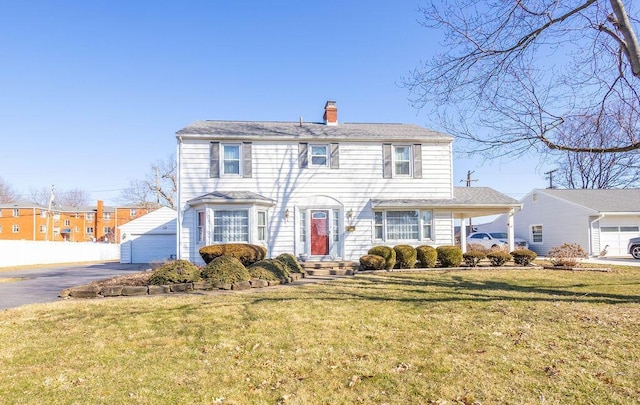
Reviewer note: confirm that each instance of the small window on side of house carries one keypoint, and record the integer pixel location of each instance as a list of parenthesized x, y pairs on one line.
[(536, 233)]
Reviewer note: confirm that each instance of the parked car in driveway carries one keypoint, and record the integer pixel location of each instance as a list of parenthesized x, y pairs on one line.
[(634, 247), (490, 240)]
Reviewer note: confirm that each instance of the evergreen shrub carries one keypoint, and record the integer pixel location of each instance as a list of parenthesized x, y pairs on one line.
[(388, 253), (449, 256)]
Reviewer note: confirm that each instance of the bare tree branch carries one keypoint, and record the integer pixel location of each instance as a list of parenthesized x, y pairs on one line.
[(516, 73), (158, 187)]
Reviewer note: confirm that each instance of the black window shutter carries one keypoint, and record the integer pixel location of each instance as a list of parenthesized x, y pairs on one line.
[(302, 156), (214, 159), (417, 161), (387, 169), (246, 159), (335, 156)]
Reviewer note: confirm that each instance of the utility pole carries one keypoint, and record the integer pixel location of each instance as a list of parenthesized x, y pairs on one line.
[(469, 181), (51, 197), (549, 175)]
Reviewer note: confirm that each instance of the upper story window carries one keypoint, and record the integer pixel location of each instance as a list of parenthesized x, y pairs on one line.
[(319, 155), (106, 216), (16, 212), (401, 161), (133, 212), (16, 228), (67, 222), (230, 159)]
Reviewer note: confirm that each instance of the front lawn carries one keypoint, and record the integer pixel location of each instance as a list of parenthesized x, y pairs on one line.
[(474, 336)]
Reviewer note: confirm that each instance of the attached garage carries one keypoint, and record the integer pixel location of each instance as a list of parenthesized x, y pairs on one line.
[(616, 232), (150, 238)]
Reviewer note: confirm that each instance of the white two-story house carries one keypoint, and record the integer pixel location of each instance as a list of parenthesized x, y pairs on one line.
[(321, 191)]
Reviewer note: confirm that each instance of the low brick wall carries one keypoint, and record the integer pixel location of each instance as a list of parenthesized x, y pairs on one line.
[(92, 291)]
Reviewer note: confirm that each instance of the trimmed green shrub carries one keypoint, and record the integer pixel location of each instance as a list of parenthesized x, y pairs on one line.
[(256, 271), (290, 262), (523, 257), (406, 256), (386, 252), (568, 254), (427, 256), (175, 271), (449, 256), (245, 252), (372, 262), (473, 257), (276, 267), (498, 258), (226, 270)]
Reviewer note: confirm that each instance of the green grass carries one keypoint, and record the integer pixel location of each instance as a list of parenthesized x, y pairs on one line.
[(491, 336)]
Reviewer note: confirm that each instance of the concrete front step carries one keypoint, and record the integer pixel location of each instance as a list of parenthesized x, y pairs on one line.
[(330, 268)]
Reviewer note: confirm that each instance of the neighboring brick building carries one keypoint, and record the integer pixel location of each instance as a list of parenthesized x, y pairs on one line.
[(30, 221)]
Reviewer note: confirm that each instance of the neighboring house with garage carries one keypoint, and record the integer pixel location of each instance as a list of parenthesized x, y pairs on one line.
[(594, 219), (321, 190), (150, 238)]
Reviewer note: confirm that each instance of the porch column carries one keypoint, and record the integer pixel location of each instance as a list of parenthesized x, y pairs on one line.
[(510, 231), (463, 234)]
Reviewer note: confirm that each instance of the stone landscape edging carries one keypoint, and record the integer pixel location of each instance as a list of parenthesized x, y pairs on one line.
[(94, 291)]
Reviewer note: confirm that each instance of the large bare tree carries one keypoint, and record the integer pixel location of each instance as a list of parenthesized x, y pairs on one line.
[(7, 193), (595, 170), (513, 73), (158, 187)]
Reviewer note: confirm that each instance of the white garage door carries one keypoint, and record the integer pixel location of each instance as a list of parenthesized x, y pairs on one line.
[(152, 248), (617, 238)]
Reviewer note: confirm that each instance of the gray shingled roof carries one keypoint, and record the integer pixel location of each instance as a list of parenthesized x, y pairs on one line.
[(231, 197), (259, 130), (462, 197), (610, 200)]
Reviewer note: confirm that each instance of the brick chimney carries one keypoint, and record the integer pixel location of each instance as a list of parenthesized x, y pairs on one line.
[(330, 113)]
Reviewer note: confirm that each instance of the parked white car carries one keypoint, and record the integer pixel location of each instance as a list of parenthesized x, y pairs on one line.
[(490, 240)]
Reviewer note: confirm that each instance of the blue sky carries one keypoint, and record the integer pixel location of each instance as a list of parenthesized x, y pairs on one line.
[(92, 92)]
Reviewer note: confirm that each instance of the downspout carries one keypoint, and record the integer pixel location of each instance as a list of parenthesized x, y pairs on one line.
[(591, 233), (179, 205)]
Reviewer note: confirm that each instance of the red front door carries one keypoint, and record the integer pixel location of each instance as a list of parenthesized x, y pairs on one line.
[(319, 233)]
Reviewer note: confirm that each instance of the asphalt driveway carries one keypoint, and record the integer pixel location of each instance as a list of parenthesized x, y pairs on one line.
[(44, 284)]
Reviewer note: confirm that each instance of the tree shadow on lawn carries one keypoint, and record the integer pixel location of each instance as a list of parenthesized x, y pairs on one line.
[(458, 288)]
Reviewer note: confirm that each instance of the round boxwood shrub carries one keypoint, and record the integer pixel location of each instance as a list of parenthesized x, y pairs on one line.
[(427, 256), (386, 252), (406, 256), (175, 271), (261, 272), (225, 270), (276, 267), (523, 257), (245, 252), (290, 262), (498, 258), (473, 257), (372, 262), (449, 256)]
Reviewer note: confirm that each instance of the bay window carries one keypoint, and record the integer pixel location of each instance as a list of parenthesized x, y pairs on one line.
[(231, 226)]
